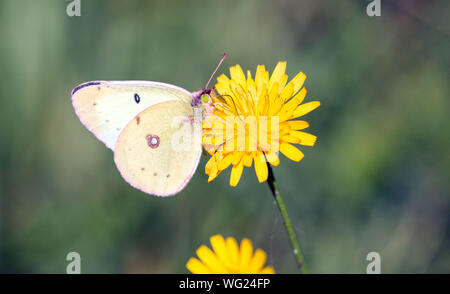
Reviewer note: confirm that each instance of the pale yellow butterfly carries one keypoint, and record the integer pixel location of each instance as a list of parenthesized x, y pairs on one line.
[(153, 128)]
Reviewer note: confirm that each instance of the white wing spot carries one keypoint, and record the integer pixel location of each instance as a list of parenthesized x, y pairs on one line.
[(152, 141)]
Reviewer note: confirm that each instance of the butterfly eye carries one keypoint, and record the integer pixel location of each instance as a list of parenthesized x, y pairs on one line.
[(205, 98), (137, 98)]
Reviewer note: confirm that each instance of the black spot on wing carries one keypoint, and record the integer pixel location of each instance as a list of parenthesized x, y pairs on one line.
[(79, 87), (137, 98)]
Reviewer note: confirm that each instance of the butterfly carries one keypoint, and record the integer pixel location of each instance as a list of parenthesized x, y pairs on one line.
[(153, 128)]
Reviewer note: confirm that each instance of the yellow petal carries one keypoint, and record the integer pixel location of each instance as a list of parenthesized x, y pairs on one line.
[(237, 74), (261, 100), (283, 81), (266, 77), (298, 124), (210, 260), (272, 158), (236, 174), (276, 102), (305, 108), (207, 141), (214, 172), (248, 158), (273, 93), (267, 270), (287, 93), (286, 115), (224, 80), (261, 168), (257, 262), (305, 138), (220, 248), (237, 157), (195, 266), (225, 162), (235, 101), (298, 81), (289, 107), (291, 152), (278, 72), (290, 139), (245, 255), (259, 76), (210, 165), (233, 251), (300, 96), (251, 88)]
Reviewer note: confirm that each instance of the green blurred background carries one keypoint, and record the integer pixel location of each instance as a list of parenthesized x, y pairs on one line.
[(377, 179)]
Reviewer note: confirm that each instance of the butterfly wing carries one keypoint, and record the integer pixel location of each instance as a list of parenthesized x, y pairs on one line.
[(159, 150), (106, 107)]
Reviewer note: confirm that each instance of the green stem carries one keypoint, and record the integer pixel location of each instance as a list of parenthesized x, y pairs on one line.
[(287, 221)]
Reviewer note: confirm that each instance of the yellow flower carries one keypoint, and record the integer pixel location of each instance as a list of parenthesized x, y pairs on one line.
[(229, 258), (261, 114)]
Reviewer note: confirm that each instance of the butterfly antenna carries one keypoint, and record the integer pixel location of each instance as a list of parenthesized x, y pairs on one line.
[(234, 104), (220, 63), (232, 100)]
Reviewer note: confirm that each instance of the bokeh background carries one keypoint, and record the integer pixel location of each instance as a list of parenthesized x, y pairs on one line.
[(377, 179)]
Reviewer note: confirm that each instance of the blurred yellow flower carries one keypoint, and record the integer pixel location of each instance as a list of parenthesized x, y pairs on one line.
[(229, 258), (261, 114)]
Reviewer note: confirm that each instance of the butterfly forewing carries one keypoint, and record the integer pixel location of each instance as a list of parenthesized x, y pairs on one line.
[(106, 107)]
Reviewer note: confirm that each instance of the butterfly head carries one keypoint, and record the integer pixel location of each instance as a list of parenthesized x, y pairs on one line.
[(203, 100), (201, 97)]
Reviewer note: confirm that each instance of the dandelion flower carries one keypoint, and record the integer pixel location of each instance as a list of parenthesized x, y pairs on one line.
[(263, 114), (227, 257)]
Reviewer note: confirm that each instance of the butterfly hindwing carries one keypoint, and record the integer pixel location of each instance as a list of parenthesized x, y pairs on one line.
[(159, 150)]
